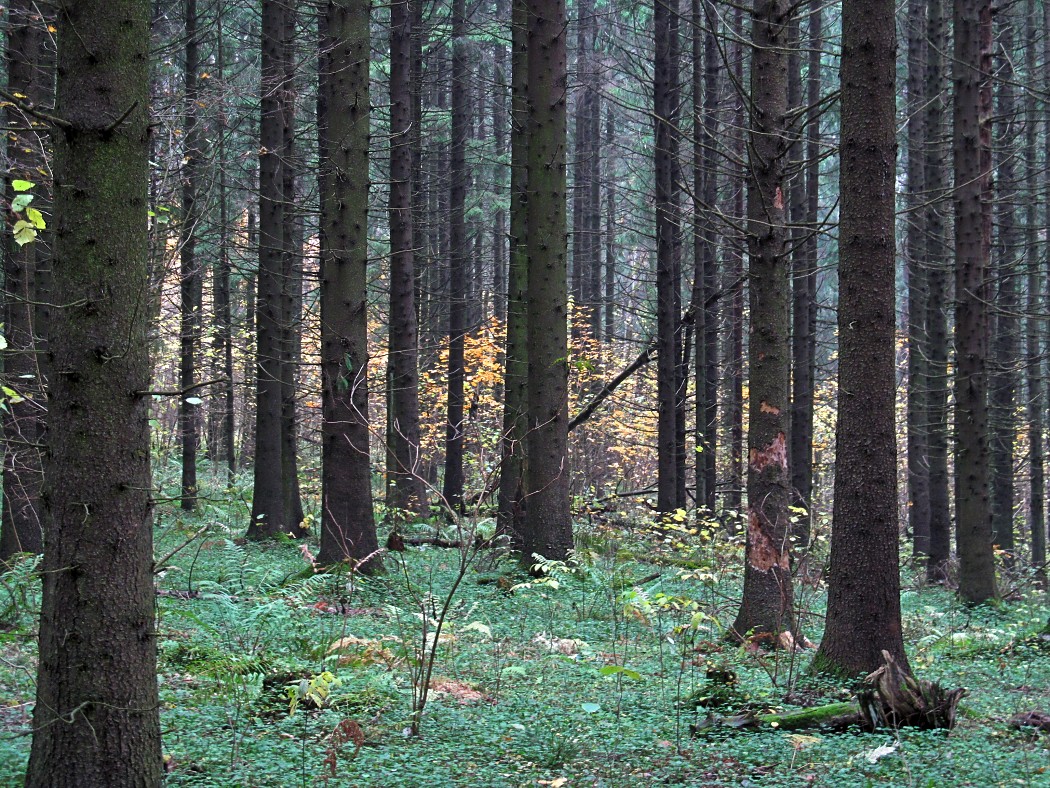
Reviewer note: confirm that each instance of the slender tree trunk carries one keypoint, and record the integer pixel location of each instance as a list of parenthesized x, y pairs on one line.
[(1006, 349), (864, 616), (735, 280), (190, 276), (268, 502), (457, 306), (767, 607), (1037, 275), (30, 72), (610, 227), (938, 301), (665, 103), (972, 154), (290, 347), (96, 718), (918, 289), (404, 489), (347, 523), (804, 295), (511, 517), (548, 523), (706, 61)]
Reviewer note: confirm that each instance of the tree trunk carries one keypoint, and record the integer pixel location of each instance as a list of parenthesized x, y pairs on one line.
[(457, 277), (971, 144), (347, 523), (511, 516), (767, 607), (665, 103), (96, 717), (30, 71), (268, 502), (864, 618), (938, 301), (404, 488), (548, 523), (190, 278), (917, 268), (1006, 348)]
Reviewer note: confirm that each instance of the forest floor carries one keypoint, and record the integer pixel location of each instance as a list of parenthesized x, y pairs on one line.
[(588, 678)]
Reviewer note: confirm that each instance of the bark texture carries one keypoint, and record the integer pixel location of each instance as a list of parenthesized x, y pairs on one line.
[(96, 717)]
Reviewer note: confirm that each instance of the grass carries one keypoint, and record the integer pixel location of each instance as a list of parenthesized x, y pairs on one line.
[(580, 680)]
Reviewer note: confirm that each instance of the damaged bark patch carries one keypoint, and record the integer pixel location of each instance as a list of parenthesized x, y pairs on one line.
[(762, 553), (774, 454), (765, 407)]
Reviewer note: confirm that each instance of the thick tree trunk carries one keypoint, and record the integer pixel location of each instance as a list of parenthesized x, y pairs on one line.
[(767, 607), (347, 523), (972, 154), (864, 618), (96, 717), (548, 523)]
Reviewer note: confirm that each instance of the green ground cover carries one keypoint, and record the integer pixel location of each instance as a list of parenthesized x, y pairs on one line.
[(588, 678)]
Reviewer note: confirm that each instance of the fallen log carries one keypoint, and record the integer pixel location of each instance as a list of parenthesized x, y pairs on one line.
[(896, 699)]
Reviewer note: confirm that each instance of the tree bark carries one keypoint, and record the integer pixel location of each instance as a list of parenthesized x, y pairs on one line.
[(96, 718), (347, 522), (404, 488), (971, 146), (548, 524), (767, 607), (864, 618)]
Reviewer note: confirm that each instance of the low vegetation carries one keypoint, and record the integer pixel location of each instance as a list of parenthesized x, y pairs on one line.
[(453, 668)]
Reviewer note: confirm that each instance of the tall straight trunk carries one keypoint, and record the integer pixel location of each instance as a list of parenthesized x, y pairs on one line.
[(735, 280), (609, 302), (1037, 275), (971, 147), (706, 61), (936, 206), (665, 104), (190, 276), (404, 488), (246, 455), (1006, 345), (269, 516), (96, 718), (30, 71), (918, 288), (500, 134), (291, 286), (511, 517), (767, 607), (804, 293), (457, 259), (348, 528), (581, 164), (592, 209), (864, 615), (223, 341), (548, 522)]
